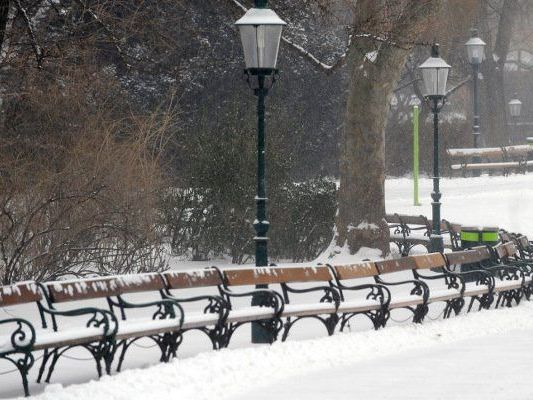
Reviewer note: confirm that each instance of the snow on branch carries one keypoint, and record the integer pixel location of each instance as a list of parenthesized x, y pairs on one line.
[(29, 27)]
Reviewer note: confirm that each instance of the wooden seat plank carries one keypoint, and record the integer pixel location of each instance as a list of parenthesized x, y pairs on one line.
[(396, 265), (272, 275), (354, 271), (192, 279), (20, 293), (426, 261)]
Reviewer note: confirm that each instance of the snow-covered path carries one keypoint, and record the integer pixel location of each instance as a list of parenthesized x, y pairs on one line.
[(483, 355), (491, 367)]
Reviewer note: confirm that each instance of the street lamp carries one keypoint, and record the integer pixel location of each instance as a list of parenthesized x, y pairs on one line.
[(435, 75), (515, 108), (260, 30), (475, 49)]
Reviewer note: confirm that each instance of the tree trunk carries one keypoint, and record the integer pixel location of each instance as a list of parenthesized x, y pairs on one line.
[(360, 220), (495, 122)]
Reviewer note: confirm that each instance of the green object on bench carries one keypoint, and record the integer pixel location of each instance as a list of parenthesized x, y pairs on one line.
[(478, 236)]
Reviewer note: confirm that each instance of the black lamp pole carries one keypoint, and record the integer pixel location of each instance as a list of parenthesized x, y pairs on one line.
[(475, 129), (261, 224), (437, 244), (437, 101)]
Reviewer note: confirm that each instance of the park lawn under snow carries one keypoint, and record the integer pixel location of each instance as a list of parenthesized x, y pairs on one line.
[(483, 355), (505, 202)]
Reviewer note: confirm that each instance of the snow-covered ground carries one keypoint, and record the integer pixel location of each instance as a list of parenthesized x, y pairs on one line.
[(481, 355), (485, 201)]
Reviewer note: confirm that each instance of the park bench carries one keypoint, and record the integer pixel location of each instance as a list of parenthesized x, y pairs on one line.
[(508, 281), (159, 320), (90, 328), (409, 231), (275, 311), (506, 159), (210, 314), (508, 253)]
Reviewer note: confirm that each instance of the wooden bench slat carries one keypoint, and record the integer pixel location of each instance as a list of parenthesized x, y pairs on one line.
[(396, 265), (360, 270), (20, 293), (272, 275), (140, 283), (495, 165), (192, 279), (426, 261), (63, 291)]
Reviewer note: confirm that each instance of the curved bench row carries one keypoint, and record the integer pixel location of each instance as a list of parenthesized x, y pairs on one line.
[(332, 294)]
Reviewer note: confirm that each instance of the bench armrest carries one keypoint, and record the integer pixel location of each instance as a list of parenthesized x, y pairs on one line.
[(166, 308), (453, 281), (507, 271), (331, 295), (420, 287), (215, 304), (377, 291), (484, 277), (99, 317), (268, 298), (23, 337)]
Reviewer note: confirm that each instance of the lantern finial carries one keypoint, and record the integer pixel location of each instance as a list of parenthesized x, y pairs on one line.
[(435, 50)]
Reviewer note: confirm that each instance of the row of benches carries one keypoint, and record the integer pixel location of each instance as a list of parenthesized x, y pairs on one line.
[(340, 292)]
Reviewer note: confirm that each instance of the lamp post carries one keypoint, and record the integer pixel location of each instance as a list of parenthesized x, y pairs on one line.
[(475, 49), (515, 108), (435, 75), (260, 30)]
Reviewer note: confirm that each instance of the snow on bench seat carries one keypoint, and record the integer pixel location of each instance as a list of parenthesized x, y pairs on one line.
[(443, 295), (46, 338), (146, 327), (359, 305), (247, 314), (507, 285), (199, 320), (404, 301), (302, 310)]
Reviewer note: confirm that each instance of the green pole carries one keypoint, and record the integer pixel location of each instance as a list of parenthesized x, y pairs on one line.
[(415, 155)]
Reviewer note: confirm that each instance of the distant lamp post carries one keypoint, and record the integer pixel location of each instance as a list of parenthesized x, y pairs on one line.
[(260, 30), (515, 109), (435, 75), (475, 48)]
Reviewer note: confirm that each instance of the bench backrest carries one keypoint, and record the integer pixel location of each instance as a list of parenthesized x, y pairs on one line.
[(354, 271), (501, 250), (109, 286), (19, 293), (505, 237), (137, 283), (272, 275), (467, 256), (392, 219), (400, 264), (426, 261), (81, 289), (524, 241), (510, 249), (192, 279)]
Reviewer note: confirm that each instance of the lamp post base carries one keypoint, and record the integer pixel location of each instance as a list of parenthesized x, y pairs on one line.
[(436, 243)]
